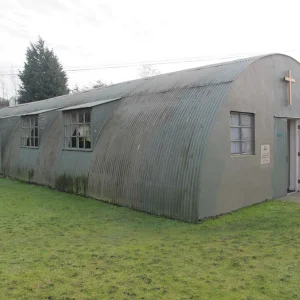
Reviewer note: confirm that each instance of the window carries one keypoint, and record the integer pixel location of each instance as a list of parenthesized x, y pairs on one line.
[(30, 131), (242, 133), (77, 129)]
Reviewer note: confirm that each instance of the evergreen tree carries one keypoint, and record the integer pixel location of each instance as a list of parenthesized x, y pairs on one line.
[(43, 76)]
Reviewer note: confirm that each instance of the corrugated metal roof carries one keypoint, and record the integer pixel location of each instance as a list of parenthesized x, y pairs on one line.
[(196, 77), (90, 104), (38, 112), (30, 113)]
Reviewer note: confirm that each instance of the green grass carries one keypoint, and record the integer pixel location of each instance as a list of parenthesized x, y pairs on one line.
[(60, 246)]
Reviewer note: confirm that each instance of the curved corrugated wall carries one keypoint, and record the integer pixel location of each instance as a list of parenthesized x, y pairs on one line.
[(148, 152), (150, 159)]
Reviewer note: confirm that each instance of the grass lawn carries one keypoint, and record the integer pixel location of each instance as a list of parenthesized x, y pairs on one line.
[(60, 246)]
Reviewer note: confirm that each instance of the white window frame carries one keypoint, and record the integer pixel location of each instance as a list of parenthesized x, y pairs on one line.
[(30, 131), (78, 129), (241, 140)]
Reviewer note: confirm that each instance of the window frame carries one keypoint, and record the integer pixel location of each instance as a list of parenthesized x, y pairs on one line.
[(68, 124), (241, 126), (25, 127)]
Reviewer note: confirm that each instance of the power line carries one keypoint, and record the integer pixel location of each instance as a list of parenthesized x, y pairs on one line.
[(175, 60), (161, 62)]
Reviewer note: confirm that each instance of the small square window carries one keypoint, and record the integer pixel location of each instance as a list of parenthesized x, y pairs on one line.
[(242, 133)]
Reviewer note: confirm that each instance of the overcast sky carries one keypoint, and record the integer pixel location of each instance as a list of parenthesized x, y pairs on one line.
[(94, 33)]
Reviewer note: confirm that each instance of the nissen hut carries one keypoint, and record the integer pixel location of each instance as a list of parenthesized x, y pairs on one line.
[(185, 145)]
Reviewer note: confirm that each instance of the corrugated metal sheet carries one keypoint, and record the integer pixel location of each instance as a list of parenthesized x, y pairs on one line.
[(207, 75), (90, 104), (38, 112), (148, 147), (149, 156)]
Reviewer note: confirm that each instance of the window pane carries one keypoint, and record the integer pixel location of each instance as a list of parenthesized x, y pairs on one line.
[(247, 147), (246, 120), (80, 130), (36, 133), (81, 117), (87, 143), (36, 142), (235, 134), (73, 142), (74, 117), (73, 130), (235, 147), (26, 132), (247, 133), (234, 119), (81, 142), (87, 117), (87, 130)]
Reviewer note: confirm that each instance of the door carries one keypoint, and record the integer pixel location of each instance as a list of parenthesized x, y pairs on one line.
[(280, 169)]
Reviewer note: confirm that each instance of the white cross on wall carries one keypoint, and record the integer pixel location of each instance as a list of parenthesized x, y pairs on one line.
[(290, 80)]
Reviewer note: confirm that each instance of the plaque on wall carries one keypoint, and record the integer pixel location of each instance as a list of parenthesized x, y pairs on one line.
[(265, 154)]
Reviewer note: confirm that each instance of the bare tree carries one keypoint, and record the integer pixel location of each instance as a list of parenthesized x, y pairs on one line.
[(148, 71), (99, 84), (76, 89), (3, 90), (14, 82), (95, 85)]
